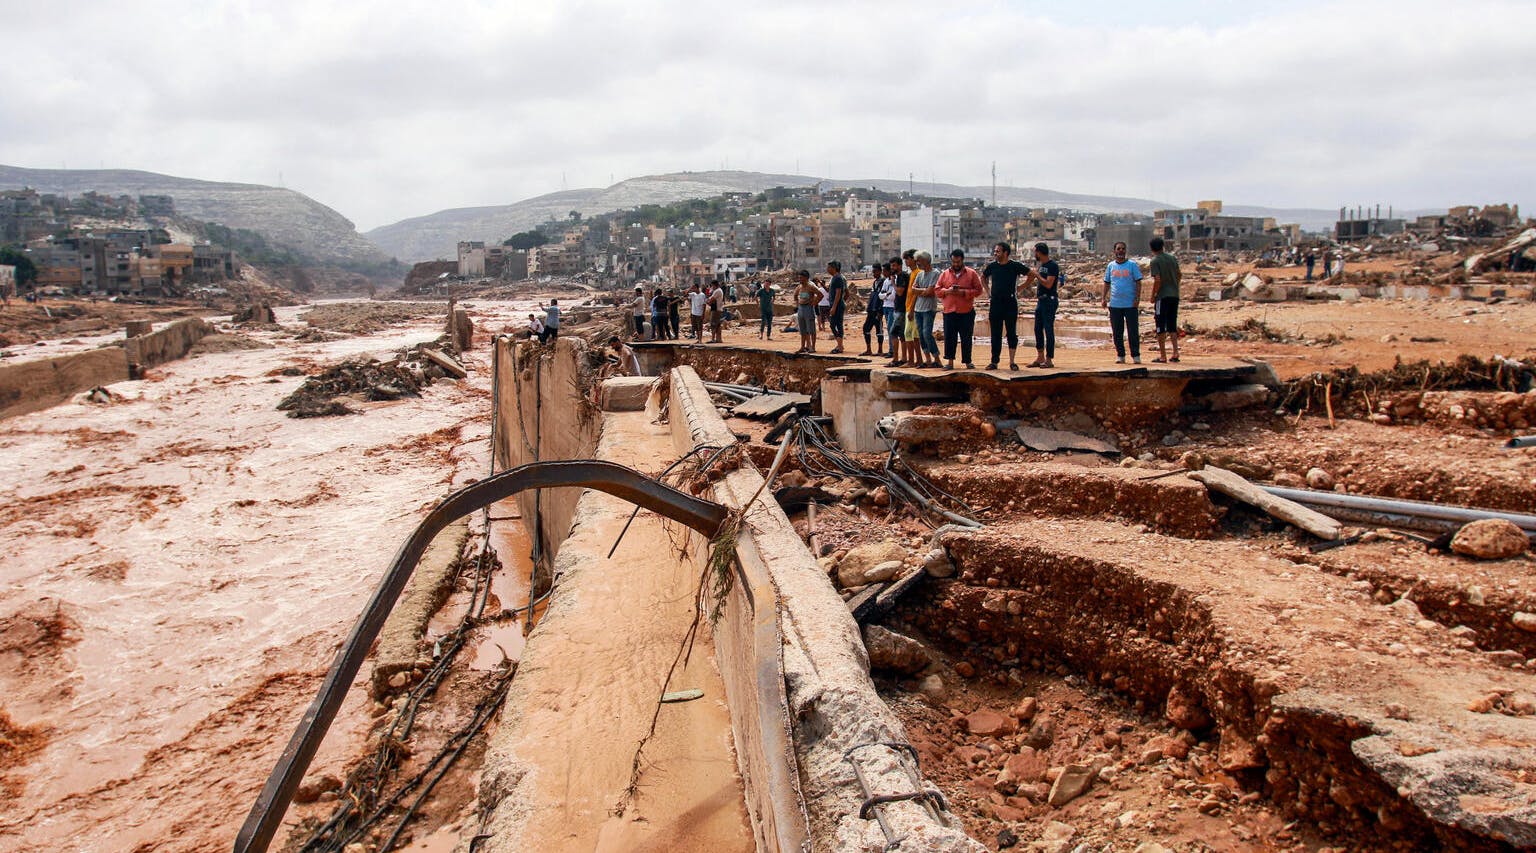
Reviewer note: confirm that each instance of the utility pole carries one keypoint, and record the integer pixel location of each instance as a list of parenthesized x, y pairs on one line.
[(994, 183)]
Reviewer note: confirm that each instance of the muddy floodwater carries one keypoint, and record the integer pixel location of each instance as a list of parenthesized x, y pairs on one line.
[(178, 568)]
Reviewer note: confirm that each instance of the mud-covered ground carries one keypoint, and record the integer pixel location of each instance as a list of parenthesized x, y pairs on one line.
[(181, 563)]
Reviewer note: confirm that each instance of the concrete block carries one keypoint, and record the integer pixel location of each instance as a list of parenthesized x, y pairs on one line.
[(626, 393)]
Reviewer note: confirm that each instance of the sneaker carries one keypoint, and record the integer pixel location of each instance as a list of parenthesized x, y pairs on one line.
[(1120, 360), (993, 366), (969, 366), (1136, 361)]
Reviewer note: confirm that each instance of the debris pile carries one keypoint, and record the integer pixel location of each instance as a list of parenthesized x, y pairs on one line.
[(368, 379)]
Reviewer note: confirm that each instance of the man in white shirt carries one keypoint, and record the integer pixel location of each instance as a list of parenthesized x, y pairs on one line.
[(696, 300), (716, 312), (637, 308)]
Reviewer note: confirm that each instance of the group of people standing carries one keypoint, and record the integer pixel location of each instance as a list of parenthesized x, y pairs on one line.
[(908, 294), (664, 308)]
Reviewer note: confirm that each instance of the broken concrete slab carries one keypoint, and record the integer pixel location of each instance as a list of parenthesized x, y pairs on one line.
[(769, 406), (1234, 486), (449, 366), (1052, 440)]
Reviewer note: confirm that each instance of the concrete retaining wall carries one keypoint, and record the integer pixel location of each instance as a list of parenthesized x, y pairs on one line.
[(168, 344), (542, 413), (35, 385)]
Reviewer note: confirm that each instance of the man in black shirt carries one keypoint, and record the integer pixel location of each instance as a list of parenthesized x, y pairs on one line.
[(837, 292), (1002, 276), (1047, 279)]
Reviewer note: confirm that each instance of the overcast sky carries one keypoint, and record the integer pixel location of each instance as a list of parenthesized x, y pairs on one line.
[(386, 110)]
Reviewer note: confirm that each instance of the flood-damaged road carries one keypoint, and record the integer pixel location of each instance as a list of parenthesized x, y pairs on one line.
[(178, 569)]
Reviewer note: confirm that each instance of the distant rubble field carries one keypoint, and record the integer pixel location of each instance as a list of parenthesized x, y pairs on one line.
[(363, 318)]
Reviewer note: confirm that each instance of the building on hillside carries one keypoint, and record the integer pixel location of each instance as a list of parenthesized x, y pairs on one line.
[(157, 205), (554, 260), (860, 212), (471, 259), (212, 263), (733, 269)]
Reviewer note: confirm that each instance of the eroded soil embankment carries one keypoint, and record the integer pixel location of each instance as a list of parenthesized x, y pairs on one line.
[(1342, 712)]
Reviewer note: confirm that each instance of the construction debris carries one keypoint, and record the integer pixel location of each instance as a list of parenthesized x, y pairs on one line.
[(1052, 440), (1233, 486)]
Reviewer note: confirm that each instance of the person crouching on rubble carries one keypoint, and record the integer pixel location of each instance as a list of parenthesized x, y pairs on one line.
[(622, 358), (807, 293)]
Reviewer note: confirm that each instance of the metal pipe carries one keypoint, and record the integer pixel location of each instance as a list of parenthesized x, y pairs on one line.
[(1456, 515), (701, 515), (1521, 441)]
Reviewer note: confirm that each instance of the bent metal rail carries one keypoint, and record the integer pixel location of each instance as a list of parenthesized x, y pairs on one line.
[(701, 515)]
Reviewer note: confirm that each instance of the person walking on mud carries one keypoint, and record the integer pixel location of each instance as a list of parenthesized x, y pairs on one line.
[(637, 311), (696, 299), (1046, 277), (1002, 277), (716, 312), (1122, 293), (807, 294), (1166, 276)]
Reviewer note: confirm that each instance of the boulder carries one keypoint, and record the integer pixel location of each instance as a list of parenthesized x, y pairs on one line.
[(892, 651), (1317, 478), (851, 569), (1490, 539)]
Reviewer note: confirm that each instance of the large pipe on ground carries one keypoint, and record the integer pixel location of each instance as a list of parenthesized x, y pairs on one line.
[(701, 515), (1431, 516)]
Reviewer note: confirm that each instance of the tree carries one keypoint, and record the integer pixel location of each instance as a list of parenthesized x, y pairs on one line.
[(575, 216), (26, 271), (525, 240)]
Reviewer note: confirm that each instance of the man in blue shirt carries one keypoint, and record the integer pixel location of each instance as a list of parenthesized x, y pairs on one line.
[(1122, 293)]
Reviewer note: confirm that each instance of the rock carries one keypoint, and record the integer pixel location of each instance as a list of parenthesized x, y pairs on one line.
[(1007, 838), (1192, 460), (965, 669), (1151, 755), (1237, 752), (1490, 539), (932, 687), (1317, 478), (1184, 711), (1055, 837), (851, 569), (986, 722), (1521, 704), (1151, 847), (1287, 480), (399, 680), (1026, 709), (1074, 781), (937, 564), (793, 478), (311, 790), (1027, 766), (881, 496), (1524, 621), (1173, 439), (893, 651), (882, 572), (1170, 747), (1042, 733)]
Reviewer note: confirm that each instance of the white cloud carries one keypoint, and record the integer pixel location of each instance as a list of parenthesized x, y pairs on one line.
[(390, 110)]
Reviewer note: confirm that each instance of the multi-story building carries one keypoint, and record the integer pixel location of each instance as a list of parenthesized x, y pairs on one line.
[(471, 259), (1205, 228), (554, 260)]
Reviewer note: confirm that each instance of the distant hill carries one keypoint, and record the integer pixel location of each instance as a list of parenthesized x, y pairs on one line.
[(283, 216), (437, 235)]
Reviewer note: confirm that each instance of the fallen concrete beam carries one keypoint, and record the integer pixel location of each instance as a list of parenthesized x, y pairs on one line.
[(769, 406), (1233, 486), (449, 366), (831, 699), (400, 638)]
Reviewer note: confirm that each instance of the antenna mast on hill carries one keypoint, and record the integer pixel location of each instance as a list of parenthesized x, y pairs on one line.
[(994, 183)]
